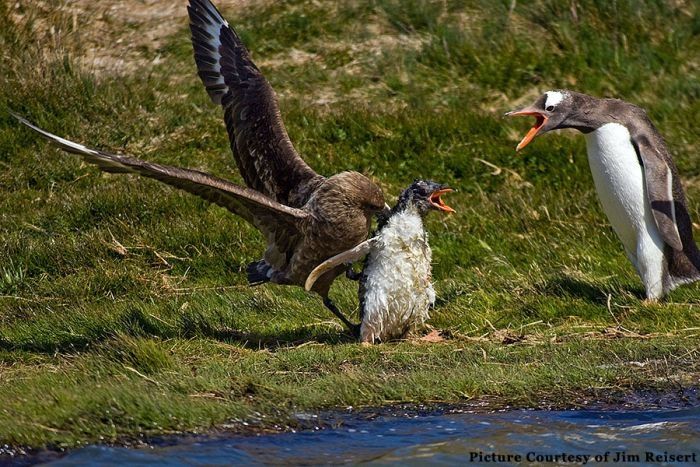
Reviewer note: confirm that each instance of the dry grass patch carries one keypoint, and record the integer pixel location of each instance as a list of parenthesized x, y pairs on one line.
[(118, 37)]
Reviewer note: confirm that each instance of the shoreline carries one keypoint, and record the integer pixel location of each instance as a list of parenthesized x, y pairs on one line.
[(250, 392), (632, 400)]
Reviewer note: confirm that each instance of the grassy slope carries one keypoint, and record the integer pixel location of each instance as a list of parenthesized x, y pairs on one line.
[(123, 306)]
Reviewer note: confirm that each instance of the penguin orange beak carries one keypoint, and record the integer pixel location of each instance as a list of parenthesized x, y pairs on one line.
[(437, 202), (541, 119)]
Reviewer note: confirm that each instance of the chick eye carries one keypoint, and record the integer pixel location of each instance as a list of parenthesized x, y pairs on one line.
[(549, 108)]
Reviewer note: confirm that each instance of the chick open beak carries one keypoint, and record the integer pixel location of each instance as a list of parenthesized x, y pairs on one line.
[(437, 202), (540, 120)]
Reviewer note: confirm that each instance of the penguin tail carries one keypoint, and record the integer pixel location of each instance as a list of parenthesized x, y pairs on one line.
[(684, 266)]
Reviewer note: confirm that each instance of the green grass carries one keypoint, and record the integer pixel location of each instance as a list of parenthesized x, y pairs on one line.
[(123, 304)]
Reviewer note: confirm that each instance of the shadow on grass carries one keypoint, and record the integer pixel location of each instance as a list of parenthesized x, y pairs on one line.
[(189, 325), (245, 339), (274, 341), (192, 324), (569, 287)]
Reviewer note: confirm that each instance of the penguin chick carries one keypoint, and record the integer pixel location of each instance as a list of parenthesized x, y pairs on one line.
[(395, 290)]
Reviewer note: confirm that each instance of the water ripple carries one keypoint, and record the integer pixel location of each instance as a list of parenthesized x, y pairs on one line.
[(438, 440)]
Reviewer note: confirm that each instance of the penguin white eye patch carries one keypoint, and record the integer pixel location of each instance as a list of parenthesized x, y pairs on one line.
[(553, 98)]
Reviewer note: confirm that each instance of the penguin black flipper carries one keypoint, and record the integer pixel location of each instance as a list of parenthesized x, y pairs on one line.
[(667, 201), (660, 181)]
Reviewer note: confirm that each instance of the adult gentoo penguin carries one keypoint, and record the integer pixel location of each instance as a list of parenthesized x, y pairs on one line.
[(636, 180), (304, 216), (395, 291)]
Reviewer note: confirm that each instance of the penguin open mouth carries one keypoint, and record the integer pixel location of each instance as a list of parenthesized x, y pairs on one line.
[(437, 202), (540, 120)]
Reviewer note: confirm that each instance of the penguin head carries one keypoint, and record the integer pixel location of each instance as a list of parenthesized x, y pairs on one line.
[(551, 110), (425, 196)]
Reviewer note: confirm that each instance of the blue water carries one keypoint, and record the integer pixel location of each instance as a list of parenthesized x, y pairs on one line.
[(439, 439)]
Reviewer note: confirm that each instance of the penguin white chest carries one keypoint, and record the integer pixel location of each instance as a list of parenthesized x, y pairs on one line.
[(619, 181), (398, 284)]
